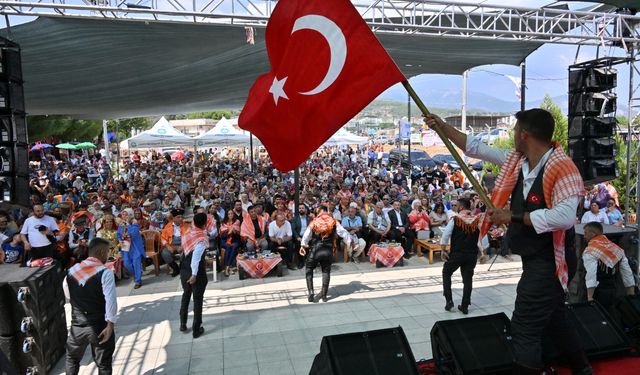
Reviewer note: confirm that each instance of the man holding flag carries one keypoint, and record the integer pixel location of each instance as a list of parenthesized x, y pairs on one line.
[(544, 187)]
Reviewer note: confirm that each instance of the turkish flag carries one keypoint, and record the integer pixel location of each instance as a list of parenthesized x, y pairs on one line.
[(326, 66)]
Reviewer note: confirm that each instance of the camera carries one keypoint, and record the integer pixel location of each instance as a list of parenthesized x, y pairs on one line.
[(42, 228)]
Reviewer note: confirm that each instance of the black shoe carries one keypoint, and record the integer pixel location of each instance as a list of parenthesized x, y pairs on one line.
[(198, 332), (291, 267), (183, 327), (464, 309), (324, 297), (449, 306), (311, 298), (176, 270)]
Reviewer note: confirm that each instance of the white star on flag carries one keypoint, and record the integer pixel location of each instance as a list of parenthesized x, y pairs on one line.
[(277, 89)]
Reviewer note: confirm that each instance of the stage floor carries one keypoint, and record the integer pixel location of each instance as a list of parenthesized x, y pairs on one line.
[(266, 326)]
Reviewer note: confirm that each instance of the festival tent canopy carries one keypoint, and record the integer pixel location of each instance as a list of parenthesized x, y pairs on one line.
[(344, 137), (162, 134), (210, 67), (224, 134)]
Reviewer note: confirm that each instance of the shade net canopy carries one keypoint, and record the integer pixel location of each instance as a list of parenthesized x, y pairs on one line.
[(103, 69)]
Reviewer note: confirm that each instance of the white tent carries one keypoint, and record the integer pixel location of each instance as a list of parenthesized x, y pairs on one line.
[(344, 137), (162, 134), (224, 134)]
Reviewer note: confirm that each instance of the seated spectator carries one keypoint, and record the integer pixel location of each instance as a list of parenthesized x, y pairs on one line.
[(613, 214), (253, 232), (281, 238), (400, 228), (379, 225), (79, 237), (12, 251), (353, 224), (230, 241), (418, 218), (438, 219), (595, 214), (171, 238)]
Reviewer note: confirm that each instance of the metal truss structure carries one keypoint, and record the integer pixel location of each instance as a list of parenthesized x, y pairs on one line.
[(421, 17)]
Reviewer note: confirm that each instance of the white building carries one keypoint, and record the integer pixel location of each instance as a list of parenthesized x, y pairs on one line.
[(195, 127)]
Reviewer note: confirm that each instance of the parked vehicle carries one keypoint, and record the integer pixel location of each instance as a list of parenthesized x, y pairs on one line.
[(418, 158), (497, 133), (440, 159)]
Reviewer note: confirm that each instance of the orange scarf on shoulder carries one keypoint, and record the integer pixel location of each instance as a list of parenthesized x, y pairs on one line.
[(323, 225), (606, 251), (561, 180), (192, 238)]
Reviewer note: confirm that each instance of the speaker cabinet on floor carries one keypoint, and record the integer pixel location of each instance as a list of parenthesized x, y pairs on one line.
[(469, 346), (599, 335), (384, 351)]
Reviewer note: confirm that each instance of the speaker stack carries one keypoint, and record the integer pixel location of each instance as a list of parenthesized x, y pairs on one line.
[(592, 122), (14, 152), (33, 325)]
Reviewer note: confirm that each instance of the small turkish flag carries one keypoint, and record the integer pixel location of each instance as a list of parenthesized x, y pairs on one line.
[(326, 66)]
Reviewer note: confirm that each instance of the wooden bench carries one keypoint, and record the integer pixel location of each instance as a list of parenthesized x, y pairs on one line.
[(431, 247)]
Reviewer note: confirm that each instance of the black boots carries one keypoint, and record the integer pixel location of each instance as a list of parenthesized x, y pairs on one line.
[(325, 286), (310, 288), (464, 309), (448, 306), (175, 269)]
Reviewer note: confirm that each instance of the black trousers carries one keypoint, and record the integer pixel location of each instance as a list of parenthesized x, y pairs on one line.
[(323, 257), (540, 315), (287, 253), (42, 251), (78, 340), (467, 263), (406, 238), (197, 290)]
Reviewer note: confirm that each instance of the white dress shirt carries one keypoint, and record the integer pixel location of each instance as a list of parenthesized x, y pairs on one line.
[(591, 268), (109, 291), (560, 217), (196, 257)]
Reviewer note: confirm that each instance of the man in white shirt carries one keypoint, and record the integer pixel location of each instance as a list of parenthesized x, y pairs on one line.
[(533, 225), (38, 234), (280, 237), (91, 289), (595, 214)]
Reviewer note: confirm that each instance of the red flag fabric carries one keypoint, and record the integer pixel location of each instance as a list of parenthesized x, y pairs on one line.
[(326, 66)]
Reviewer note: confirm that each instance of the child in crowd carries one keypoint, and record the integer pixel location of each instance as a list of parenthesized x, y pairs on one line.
[(12, 250)]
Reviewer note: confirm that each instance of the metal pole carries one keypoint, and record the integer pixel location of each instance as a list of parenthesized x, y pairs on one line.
[(523, 84), (117, 149), (465, 169), (410, 130), (251, 150), (296, 181), (106, 140), (627, 195), (463, 126)]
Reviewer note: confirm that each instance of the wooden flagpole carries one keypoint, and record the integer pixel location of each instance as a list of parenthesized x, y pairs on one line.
[(465, 169)]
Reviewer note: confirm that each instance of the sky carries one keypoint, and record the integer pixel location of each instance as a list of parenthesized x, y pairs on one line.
[(546, 68)]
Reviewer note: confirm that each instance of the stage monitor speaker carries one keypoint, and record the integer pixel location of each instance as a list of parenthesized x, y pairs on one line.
[(592, 148), (478, 345), (592, 127), (592, 79), (599, 335), (592, 104), (597, 170), (384, 351), (629, 310)]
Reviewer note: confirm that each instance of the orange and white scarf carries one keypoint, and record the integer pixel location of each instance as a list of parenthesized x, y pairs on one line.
[(606, 251), (192, 238), (228, 229), (561, 180), (85, 270), (247, 229), (467, 222)]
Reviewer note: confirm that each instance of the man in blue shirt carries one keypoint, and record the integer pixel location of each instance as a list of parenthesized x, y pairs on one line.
[(353, 224)]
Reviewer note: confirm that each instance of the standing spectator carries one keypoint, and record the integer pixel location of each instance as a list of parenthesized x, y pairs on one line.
[(38, 234), (489, 180), (131, 246), (91, 288)]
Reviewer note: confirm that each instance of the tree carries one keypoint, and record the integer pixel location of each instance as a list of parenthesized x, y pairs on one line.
[(62, 128), (215, 115), (125, 126), (560, 132), (620, 183)]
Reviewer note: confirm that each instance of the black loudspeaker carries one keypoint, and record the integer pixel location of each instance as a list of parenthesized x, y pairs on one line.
[(593, 79), (595, 127), (479, 345), (597, 170), (628, 309), (33, 301), (592, 104), (592, 148), (599, 335), (384, 351), (14, 153)]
